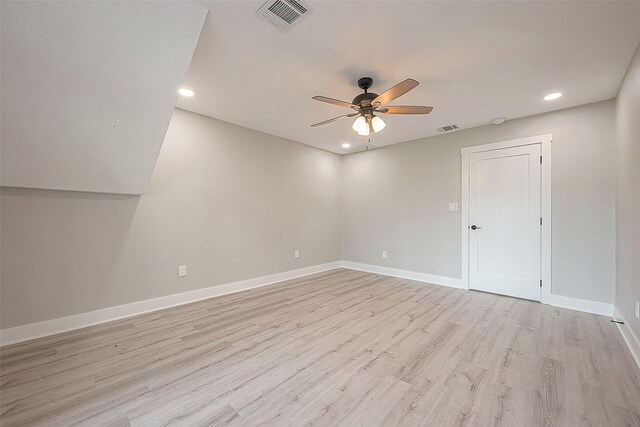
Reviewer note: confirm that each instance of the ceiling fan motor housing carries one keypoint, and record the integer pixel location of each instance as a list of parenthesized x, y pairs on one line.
[(364, 99)]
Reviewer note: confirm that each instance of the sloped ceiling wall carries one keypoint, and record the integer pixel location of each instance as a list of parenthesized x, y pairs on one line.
[(88, 90)]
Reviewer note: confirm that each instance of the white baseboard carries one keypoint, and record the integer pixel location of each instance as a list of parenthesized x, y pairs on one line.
[(77, 321), (628, 335), (404, 274), (588, 306)]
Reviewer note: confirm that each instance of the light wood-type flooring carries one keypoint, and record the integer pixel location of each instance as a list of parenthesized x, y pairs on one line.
[(341, 347)]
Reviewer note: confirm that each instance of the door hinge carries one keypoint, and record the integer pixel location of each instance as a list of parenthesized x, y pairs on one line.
[(540, 220), (540, 282), (540, 159)]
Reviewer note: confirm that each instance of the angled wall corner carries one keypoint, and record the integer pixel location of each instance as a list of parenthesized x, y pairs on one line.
[(88, 90)]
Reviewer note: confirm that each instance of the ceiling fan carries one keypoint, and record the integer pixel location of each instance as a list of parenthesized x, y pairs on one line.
[(367, 104)]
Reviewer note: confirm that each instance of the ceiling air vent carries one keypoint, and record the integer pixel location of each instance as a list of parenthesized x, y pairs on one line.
[(448, 128), (283, 14), (361, 147)]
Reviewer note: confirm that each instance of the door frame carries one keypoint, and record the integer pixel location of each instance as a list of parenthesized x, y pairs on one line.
[(545, 205)]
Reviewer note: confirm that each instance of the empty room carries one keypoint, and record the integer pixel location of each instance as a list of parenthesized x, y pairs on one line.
[(332, 213)]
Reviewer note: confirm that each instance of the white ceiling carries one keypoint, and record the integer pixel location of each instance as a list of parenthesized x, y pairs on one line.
[(88, 90), (475, 61)]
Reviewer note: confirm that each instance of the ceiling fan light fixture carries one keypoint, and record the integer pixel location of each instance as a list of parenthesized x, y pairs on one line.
[(368, 103), (361, 126), (377, 124)]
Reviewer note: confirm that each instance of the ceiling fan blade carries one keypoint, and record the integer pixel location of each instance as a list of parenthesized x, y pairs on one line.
[(395, 92), (333, 119), (405, 109), (335, 102)]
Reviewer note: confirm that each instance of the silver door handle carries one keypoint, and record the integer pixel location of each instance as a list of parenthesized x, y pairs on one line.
[(475, 227)]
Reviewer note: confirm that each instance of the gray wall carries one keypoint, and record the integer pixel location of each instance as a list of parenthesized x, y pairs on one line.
[(233, 204), (229, 202), (396, 199), (628, 195)]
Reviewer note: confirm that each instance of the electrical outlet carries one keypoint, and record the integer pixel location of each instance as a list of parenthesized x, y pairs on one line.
[(182, 270), (637, 309), (296, 254), (384, 254)]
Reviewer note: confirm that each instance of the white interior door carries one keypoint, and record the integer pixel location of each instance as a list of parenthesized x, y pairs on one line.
[(504, 221)]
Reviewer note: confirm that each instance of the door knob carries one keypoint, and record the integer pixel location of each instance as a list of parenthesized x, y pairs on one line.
[(475, 227)]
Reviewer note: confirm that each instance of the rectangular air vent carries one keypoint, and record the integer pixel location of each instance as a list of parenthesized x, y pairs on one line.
[(283, 14), (362, 147), (448, 128)]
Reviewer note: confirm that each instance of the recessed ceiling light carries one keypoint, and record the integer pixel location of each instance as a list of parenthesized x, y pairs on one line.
[(346, 145), (186, 92), (552, 96)]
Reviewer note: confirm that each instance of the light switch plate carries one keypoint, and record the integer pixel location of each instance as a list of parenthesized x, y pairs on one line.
[(384, 254), (453, 207), (182, 270)]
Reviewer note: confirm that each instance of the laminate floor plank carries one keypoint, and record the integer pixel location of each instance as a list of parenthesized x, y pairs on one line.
[(342, 347)]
